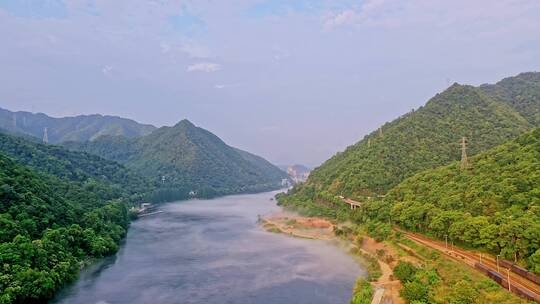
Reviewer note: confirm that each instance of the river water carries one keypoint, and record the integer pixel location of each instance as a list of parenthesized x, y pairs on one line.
[(213, 251)]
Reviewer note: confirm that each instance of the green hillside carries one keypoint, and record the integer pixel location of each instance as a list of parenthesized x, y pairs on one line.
[(106, 179), (426, 138), (77, 128), (186, 158), (45, 236), (521, 92), (493, 205)]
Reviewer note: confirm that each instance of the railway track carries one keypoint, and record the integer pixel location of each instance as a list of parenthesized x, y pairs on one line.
[(472, 259)]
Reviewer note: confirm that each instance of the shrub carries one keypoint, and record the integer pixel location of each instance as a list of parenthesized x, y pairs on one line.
[(362, 292), (405, 271)]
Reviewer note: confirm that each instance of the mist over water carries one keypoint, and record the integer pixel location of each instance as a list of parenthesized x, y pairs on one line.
[(212, 251)]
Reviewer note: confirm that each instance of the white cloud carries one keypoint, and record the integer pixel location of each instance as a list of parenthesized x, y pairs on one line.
[(107, 70), (224, 86), (207, 67), (373, 12), (346, 17)]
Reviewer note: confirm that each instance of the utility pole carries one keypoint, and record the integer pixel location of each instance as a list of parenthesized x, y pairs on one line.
[(446, 241), (508, 276), (45, 136), (498, 269), (464, 161)]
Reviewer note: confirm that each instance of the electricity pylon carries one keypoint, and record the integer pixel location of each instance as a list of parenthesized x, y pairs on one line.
[(464, 161), (45, 136)]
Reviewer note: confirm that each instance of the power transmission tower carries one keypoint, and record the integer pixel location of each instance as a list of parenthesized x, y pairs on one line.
[(369, 142), (381, 132), (14, 120), (45, 136), (464, 161)]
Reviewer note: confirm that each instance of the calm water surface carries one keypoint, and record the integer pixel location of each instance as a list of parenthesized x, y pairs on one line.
[(212, 251)]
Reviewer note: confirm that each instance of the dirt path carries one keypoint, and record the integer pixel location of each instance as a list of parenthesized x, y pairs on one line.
[(387, 282)]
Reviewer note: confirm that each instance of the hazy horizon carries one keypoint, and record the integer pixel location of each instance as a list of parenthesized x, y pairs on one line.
[(290, 81)]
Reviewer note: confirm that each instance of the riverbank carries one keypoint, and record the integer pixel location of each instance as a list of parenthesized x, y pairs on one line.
[(378, 258), (425, 272)]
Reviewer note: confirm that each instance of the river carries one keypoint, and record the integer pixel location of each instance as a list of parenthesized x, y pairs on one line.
[(213, 251)]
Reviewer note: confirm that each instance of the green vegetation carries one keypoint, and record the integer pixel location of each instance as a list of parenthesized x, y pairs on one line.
[(494, 205), (186, 158), (429, 137), (441, 280), (100, 179), (78, 128), (362, 292), (45, 236), (405, 271), (521, 92)]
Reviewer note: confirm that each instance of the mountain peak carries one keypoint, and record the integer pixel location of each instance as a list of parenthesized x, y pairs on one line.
[(184, 123)]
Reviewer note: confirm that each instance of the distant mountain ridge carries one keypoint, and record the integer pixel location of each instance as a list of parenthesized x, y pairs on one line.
[(106, 179), (429, 137), (76, 128), (298, 173), (188, 159)]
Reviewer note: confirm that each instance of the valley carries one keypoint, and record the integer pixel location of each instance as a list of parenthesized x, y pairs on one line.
[(270, 152), (462, 170)]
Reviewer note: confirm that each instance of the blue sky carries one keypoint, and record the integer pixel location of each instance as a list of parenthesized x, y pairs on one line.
[(293, 81)]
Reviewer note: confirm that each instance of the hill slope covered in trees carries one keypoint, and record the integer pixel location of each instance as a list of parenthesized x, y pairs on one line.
[(427, 138), (77, 128), (521, 92), (186, 158), (46, 235), (494, 204), (103, 178)]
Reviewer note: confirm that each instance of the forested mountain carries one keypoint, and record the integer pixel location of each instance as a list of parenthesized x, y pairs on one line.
[(104, 179), (430, 136), (188, 159), (521, 92), (493, 204), (45, 235), (77, 128)]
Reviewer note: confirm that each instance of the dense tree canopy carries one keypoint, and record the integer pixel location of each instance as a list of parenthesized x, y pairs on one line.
[(45, 235), (185, 158), (430, 136), (103, 179), (521, 92), (493, 205)]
